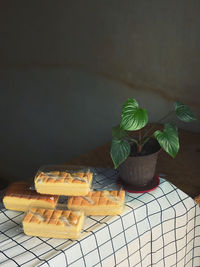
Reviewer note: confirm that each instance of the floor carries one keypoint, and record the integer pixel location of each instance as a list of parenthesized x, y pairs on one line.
[(183, 171)]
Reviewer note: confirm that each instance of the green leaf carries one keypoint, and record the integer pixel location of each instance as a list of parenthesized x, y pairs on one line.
[(119, 133), (168, 139), (120, 150), (133, 117), (183, 112)]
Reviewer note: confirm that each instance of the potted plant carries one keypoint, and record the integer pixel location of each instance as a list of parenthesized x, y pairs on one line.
[(135, 143)]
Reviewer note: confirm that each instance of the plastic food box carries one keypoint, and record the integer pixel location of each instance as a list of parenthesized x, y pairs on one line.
[(53, 223), (63, 180), (19, 196), (60, 199)]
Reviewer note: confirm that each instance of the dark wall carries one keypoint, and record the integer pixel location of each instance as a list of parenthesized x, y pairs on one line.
[(48, 117), (66, 68)]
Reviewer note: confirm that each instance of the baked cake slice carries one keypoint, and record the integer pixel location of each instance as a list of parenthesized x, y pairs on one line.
[(64, 183), (19, 197), (53, 223), (98, 202)]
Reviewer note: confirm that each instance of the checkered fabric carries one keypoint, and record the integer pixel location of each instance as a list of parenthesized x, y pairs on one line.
[(159, 228)]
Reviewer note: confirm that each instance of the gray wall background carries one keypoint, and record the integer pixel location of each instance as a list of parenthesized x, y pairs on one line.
[(66, 68)]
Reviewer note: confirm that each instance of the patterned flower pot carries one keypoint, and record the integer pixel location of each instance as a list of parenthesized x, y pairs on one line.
[(139, 170)]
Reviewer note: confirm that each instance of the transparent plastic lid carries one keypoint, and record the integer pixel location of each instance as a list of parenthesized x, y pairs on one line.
[(95, 202), (98, 198), (53, 223), (19, 196), (63, 173)]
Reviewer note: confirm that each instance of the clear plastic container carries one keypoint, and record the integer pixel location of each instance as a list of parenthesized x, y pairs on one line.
[(63, 180), (53, 223), (19, 196), (97, 203)]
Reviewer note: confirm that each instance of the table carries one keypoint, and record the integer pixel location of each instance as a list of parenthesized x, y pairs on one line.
[(183, 171), (158, 228)]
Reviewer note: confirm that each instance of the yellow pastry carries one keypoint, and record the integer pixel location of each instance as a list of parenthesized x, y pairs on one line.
[(63, 183), (53, 223), (98, 202), (19, 197)]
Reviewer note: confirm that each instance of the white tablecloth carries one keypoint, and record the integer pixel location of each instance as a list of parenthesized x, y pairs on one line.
[(159, 228)]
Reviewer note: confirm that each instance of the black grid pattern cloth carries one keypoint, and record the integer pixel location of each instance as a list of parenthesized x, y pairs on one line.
[(159, 228)]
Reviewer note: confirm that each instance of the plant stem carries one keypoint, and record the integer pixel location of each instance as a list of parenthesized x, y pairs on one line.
[(153, 126), (133, 140), (146, 140)]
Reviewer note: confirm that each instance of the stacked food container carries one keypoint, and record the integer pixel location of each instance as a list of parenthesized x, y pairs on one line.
[(47, 215)]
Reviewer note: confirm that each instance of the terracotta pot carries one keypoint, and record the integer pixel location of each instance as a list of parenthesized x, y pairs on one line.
[(139, 170)]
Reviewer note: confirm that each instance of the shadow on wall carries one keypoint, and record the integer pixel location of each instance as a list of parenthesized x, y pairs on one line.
[(50, 116)]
